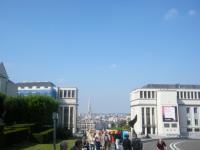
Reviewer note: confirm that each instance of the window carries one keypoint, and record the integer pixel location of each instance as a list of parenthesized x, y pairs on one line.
[(174, 125), (166, 125), (188, 110), (188, 95), (191, 95), (181, 95), (188, 122), (177, 95), (145, 94), (34, 87), (69, 93), (141, 94), (153, 94), (61, 93), (196, 122), (73, 93), (195, 110), (149, 94), (195, 95), (65, 93), (184, 95), (196, 129), (189, 129), (199, 95)]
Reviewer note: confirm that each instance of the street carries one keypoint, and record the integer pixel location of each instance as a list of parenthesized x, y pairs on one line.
[(185, 144)]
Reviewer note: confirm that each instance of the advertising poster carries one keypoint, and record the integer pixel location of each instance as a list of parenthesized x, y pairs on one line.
[(169, 113)]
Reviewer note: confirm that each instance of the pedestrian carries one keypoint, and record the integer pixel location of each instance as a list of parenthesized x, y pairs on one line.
[(127, 143), (161, 145), (117, 138), (86, 145), (64, 145), (92, 142), (77, 145), (106, 141), (97, 143)]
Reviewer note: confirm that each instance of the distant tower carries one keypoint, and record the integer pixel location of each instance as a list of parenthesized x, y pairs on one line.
[(89, 115), (89, 123)]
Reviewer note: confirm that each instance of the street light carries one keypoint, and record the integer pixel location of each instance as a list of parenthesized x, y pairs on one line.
[(55, 118)]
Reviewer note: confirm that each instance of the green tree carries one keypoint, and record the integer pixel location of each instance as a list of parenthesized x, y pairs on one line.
[(41, 108), (17, 109), (30, 109)]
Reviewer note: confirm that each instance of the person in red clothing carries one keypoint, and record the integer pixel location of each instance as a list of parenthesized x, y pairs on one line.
[(161, 145)]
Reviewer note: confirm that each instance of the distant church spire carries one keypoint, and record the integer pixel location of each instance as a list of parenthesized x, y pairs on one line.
[(89, 109)]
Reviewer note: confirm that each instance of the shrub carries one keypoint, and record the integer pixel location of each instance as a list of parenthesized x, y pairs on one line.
[(16, 134), (63, 133), (44, 136)]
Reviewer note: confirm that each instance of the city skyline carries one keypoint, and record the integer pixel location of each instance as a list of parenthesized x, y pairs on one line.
[(104, 48)]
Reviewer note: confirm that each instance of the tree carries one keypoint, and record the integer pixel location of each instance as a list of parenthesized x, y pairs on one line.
[(30, 109), (17, 110), (41, 108)]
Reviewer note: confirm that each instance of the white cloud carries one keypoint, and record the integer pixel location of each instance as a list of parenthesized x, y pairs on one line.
[(113, 66), (191, 12), (172, 13)]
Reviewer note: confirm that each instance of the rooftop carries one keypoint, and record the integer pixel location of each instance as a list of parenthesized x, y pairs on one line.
[(171, 86), (3, 71), (38, 84)]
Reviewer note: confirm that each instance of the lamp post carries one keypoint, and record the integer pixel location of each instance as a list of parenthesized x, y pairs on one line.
[(55, 118)]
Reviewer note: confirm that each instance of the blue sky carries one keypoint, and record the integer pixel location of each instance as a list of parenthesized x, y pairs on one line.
[(106, 48)]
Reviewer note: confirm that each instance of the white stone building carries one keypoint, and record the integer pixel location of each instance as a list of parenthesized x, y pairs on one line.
[(68, 107), (166, 109), (6, 86)]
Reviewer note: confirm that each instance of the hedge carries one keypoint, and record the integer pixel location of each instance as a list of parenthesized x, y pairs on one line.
[(44, 136)]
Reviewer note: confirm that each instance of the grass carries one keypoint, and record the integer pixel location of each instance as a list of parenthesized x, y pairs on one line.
[(33, 146)]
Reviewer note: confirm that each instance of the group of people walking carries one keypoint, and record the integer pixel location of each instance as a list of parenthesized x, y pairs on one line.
[(104, 140)]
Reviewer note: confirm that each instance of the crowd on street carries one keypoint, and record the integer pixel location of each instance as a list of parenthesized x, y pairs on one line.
[(109, 140)]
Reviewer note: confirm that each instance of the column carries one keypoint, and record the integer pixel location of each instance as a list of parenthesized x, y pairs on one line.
[(69, 118), (74, 120), (63, 93), (156, 121), (151, 124), (145, 120)]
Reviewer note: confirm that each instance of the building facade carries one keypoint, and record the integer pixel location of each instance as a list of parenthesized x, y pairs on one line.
[(37, 88), (166, 109), (68, 107), (67, 98), (6, 86)]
